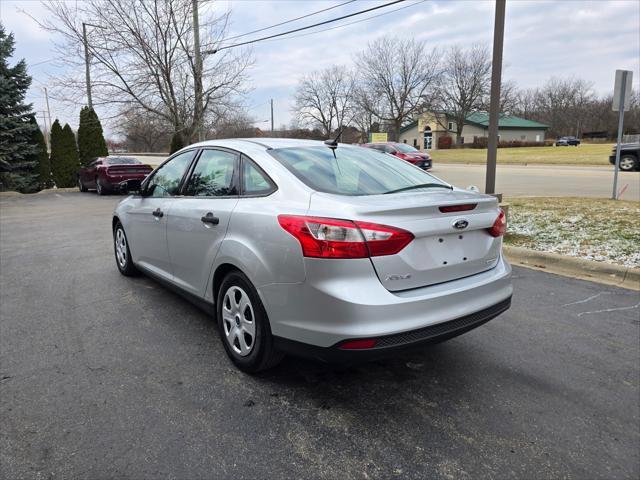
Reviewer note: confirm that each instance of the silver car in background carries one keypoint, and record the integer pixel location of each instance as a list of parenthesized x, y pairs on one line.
[(325, 250)]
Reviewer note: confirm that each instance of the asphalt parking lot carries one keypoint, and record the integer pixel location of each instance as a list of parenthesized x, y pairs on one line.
[(103, 376)]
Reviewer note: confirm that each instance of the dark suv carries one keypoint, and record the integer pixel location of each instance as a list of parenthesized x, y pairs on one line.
[(629, 156)]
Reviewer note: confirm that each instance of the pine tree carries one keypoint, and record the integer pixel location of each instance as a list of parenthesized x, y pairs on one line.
[(91, 143), (64, 155), (17, 167), (40, 157), (176, 143)]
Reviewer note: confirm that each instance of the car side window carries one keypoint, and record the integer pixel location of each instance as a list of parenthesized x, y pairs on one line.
[(166, 180), (254, 181), (214, 175)]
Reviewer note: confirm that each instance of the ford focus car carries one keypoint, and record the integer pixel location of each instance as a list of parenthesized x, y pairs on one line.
[(324, 250), (105, 174)]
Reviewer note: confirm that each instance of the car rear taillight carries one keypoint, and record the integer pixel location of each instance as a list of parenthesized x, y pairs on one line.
[(499, 227), (322, 237)]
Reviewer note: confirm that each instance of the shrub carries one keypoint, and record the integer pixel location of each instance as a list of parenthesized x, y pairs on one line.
[(91, 142), (483, 142)]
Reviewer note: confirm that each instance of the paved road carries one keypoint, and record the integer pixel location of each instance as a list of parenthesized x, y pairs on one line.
[(541, 180), (104, 376), (530, 180)]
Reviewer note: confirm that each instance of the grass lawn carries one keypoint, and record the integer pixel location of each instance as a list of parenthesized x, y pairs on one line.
[(584, 154), (590, 228)]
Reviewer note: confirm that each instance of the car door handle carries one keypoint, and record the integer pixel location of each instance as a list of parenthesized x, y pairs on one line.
[(209, 218), (157, 213)]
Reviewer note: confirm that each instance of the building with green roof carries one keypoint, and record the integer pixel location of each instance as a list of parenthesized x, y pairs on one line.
[(424, 132)]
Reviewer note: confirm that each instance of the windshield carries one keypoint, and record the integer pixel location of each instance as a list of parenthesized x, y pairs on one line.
[(401, 147), (353, 171), (122, 161)]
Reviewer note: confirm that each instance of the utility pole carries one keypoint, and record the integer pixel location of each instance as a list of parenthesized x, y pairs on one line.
[(272, 114), (46, 97), (87, 60), (197, 74), (87, 75), (494, 106), (46, 129)]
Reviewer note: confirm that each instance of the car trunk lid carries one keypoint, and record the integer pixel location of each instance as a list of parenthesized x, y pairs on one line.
[(448, 244)]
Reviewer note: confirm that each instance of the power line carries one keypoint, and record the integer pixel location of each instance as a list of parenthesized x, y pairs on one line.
[(289, 21), (350, 23), (305, 28)]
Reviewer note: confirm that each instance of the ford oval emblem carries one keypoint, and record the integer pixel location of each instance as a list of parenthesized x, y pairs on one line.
[(460, 224)]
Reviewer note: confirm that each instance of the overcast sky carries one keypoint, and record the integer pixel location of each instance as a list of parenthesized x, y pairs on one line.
[(585, 39)]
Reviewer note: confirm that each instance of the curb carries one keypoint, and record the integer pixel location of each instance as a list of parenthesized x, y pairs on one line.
[(600, 272)]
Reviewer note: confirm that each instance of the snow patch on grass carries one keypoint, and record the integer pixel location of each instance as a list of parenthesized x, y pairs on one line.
[(593, 229)]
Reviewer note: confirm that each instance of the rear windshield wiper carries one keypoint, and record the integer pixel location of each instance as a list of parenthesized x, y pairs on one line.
[(421, 185)]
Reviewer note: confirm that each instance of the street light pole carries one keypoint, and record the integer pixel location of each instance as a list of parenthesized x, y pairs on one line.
[(494, 106), (272, 114)]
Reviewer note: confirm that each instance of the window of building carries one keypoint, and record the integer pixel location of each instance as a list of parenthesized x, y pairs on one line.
[(450, 126)]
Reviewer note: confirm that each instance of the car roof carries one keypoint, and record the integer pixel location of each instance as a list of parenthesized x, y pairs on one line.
[(265, 142)]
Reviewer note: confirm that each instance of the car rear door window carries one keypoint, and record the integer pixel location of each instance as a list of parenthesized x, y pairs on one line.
[(215, 175)]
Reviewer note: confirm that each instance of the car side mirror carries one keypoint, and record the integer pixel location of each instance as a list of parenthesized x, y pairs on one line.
[(130, 186), (473, 188)]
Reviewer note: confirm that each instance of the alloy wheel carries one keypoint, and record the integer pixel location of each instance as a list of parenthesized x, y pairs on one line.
[(627, 163), (121, 248), (238, 321)]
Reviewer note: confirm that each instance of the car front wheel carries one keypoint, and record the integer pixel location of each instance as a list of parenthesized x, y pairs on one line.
[(628, 163), (122, 252), (243, 325)]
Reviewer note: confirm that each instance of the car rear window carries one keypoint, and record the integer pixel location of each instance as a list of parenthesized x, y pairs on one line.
[(353, 171), (122, 161)]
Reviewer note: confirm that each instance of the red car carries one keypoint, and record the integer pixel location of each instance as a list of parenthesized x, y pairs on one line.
[(105, 173), (403, 151)]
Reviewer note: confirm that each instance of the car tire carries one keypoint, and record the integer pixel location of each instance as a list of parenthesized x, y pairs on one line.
[(81, 186), (244, 326), (99, 188), (123, 253), (628, 163)]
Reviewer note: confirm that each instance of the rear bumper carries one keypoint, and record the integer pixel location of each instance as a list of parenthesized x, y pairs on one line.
[(112, 181), (393, 344), (345, 300)]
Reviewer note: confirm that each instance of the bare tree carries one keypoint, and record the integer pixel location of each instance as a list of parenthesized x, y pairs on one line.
[(464, 84), (562, 104), (396, 79), (325, 99), (143, 57), (143, 131)]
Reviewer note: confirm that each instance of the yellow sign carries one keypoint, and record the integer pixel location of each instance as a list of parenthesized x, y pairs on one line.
[(378, 137)]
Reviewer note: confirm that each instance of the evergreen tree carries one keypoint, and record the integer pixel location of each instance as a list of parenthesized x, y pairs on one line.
[(64, 155), (91, 142), (40, 157), (17, 167), (176, 143)]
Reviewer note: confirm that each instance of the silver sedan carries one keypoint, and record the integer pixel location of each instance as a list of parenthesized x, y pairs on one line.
[(319, 249)]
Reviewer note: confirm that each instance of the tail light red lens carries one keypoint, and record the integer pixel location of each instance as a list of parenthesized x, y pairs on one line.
[(499, 227), (322, 237)]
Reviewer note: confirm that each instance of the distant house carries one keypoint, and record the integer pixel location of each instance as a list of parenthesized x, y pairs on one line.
[(424, 132)]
